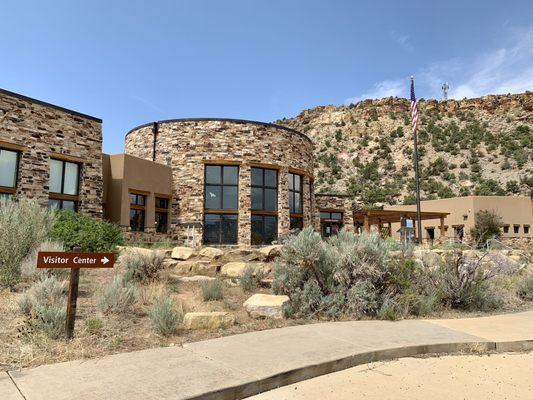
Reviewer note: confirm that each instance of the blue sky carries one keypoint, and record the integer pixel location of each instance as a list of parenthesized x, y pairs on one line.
[(132, 62)]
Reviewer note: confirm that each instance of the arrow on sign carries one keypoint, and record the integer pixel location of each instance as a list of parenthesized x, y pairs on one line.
[(105, 260)]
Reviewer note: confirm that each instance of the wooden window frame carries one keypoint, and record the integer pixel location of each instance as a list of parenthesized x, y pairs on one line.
[(6, 189), (292, 192), (263, 187), (62, 196), (137, 207), (331, 212), (159, 210)]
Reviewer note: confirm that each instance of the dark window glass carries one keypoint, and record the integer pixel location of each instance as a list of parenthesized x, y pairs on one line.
[(516, 228), (336, 215), (161, 202), (526, 229), (8, 168), (221, 187), (264, 189), (220, 229), (325, 215), (56, 204), (506, 229), (64, 177), (297, 223), (161, 222), (295, 194), (137, 199), (331, 215), (264, 229), (137, 220)]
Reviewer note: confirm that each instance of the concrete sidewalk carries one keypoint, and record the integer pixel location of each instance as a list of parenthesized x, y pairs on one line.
[(242, 365)]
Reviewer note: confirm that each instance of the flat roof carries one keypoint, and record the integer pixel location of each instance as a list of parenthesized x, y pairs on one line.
[(50, 105), (374, 216), (236, 121)]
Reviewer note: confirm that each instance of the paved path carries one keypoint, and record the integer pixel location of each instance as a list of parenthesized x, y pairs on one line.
[(473, 377), (243, 365)]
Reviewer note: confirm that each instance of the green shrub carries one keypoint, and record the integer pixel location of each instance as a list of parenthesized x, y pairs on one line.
[(525, 287), (90, 234), (166, 315), (142, 266), (212, 290), (93, 326), (251, 279), (24, 225), (117, 297), (488, 226), (29, 268), (44, 305)]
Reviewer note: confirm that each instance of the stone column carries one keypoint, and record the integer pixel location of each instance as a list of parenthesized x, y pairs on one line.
[(245, 204), (283, 202), (307, 211), (347, 222)]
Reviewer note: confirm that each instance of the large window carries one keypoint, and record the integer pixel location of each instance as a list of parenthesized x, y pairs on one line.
[(221, 204), (264, 205), (137, 212), (330, 222), (8, 172), (64, 185), (296, 201), (161, 214)]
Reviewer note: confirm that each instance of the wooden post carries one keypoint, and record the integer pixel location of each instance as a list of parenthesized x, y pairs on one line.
[(442, 231), (72, 299), (390, 229), (367, 225)]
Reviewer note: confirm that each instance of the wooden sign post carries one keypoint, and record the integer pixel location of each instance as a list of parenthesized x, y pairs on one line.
[(74, 261)]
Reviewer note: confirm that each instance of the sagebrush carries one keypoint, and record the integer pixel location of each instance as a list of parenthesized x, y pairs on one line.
[(118, 296), (166, 315), (142, 265)]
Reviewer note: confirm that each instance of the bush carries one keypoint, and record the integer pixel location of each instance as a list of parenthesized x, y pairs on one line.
[(251, 279), (488, 226), (212, 290), (117, 297), (525, 287), (44, 305), (90, 234), (166, 315), (142, 266), (29, 268), (23, 226)]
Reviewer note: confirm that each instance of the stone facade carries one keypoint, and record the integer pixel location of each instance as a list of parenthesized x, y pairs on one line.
[(188, 145), (338, 203), (40, 131)]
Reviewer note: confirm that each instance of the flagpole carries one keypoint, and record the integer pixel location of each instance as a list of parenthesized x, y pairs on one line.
[(417, 178)]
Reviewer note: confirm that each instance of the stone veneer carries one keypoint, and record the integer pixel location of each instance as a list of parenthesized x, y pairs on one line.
[(334, 202), (187, 145), (40, 130)]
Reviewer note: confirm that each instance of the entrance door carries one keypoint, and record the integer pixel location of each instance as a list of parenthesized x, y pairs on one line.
[(330, 223), (459, 232), (430, 234)]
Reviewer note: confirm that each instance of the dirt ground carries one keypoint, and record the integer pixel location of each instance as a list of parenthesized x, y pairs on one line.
[(129, 331), (485, 377)]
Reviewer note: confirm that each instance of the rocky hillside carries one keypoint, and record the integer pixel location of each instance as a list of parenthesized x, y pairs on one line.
[(477, 146)]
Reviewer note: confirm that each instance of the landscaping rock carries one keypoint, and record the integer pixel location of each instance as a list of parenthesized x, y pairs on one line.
[(233, 269), (271, 252), (196, 278), (266, 306), (428, 258), (170, 263), (208, 320), (211, 252), (182, 253), (202, 267)]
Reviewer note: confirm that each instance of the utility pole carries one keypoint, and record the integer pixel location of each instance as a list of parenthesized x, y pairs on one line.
[(445, 87)]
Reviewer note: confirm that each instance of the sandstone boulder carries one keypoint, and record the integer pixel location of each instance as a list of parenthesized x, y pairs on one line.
[(233, 269), (197, 278), (266, 306), (271, 252), (428, 258), (211, 252), (208, 320), (182, 253), (201, 267)]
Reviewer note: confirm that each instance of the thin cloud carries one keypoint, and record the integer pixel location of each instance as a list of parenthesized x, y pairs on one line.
[(145, 102), (403, 40), (507, 69)]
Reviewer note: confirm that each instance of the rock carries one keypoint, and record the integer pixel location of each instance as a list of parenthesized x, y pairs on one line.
[(208, 320), (170, 263), (233, 269), (196, 278), (211, 252), (202, 267), (182, 253), (266, 306), (271, 252), (139, 250)]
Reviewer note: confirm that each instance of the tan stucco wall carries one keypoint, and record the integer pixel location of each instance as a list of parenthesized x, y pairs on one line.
[(512, 210), (122, 173)]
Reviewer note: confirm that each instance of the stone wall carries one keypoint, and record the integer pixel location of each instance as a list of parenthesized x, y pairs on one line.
[(187, 145), (331, 202), (39, 130)]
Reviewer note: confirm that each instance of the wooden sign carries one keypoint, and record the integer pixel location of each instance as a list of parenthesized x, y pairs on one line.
[(74, 261), (53, 259)]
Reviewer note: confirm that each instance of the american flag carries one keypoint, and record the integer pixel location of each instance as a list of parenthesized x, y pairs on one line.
[(414, 108)]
